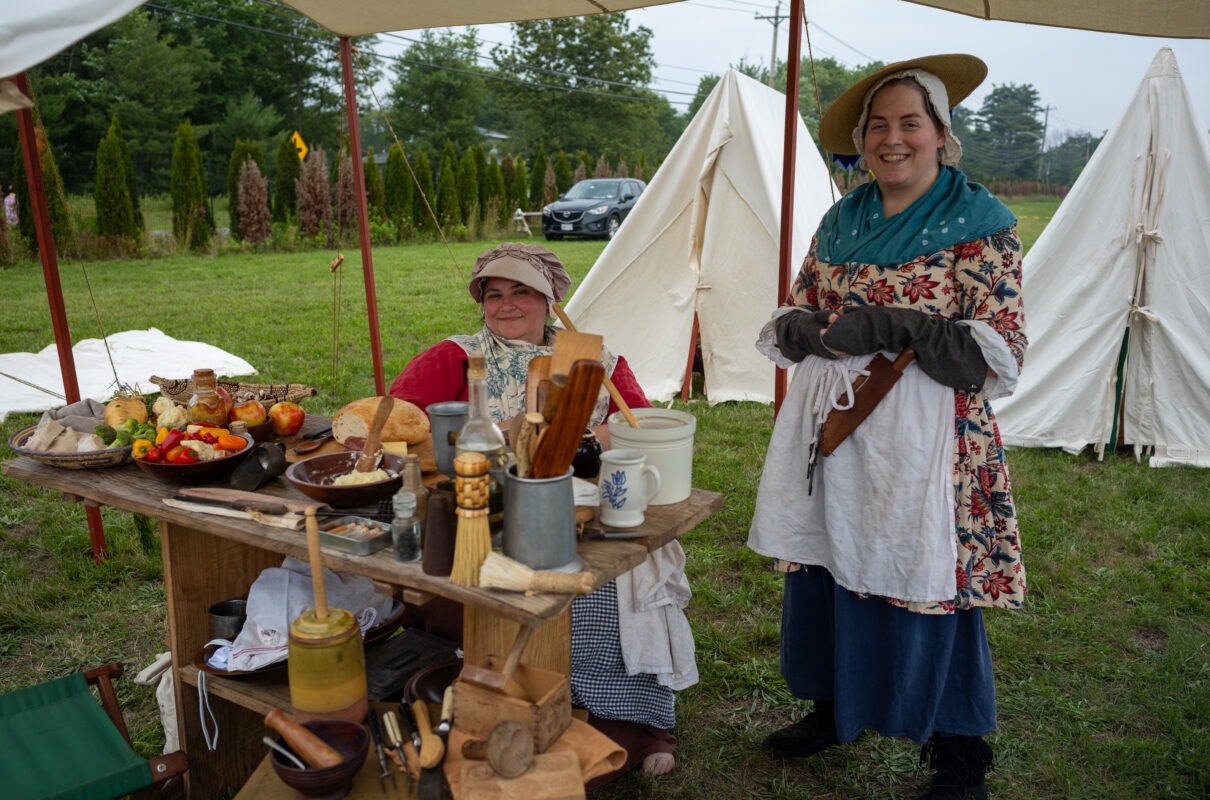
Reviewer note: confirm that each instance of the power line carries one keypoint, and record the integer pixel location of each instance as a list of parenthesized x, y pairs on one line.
[(416, 62)]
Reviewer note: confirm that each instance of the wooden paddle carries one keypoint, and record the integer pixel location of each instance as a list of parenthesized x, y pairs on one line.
[(557, 447), (539, 369), (570, 347), (371, 453), (609, 387)]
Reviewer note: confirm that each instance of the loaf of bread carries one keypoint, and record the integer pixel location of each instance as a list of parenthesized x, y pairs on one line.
[(407, 422)]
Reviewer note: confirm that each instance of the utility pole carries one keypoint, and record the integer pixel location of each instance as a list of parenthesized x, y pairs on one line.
[(1042, 149), (775, 20)]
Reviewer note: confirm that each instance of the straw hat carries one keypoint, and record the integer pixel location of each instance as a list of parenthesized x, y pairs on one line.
[(961, 74)]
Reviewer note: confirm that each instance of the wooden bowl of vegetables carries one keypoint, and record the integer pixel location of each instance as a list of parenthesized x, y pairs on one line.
[(177, 459)]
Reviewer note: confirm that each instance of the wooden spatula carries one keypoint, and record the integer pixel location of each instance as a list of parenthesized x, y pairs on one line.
[(570, 347), (371, 453), (613, 390)]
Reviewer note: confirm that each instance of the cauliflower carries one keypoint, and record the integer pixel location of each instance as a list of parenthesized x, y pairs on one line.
[(173, 417)]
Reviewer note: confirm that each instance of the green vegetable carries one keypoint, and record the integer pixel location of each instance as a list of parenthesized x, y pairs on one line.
[(123, 438), (106, 433)]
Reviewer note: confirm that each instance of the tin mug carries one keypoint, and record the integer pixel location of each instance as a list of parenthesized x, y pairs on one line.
[(627, 484)]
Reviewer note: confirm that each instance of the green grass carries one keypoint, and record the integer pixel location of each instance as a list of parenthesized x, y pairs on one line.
[(1103, 680)]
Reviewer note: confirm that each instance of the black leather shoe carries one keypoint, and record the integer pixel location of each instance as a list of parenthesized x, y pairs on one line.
[(812, 734)]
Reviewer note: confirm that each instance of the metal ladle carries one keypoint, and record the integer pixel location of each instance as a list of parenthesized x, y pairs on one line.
[(286, 753)]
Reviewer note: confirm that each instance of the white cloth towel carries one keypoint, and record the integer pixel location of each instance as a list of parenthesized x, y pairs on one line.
[(280, 594), (655, 634)]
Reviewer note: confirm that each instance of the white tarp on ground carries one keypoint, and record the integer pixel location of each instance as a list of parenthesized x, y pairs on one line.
[(1129, 249), (137, 355), (704, 238)]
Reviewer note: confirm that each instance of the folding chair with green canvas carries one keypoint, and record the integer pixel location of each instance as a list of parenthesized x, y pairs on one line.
[(56, 741)]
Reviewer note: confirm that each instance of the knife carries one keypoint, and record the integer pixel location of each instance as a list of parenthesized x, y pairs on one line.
[(239, 504), (375, 726), (593, 532)]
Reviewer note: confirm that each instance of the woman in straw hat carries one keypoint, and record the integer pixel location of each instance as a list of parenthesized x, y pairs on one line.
[(894, 543), (515, 285)]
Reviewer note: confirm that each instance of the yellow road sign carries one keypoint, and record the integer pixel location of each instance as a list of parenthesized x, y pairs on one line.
[(300, 144)]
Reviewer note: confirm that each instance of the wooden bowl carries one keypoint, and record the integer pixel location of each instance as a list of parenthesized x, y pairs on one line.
[(350, 739), (262, 431), (200, 472), (90, 460), (313, 477)]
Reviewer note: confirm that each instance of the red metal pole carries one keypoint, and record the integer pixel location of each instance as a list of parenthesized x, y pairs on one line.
[(787, 178), (363, 227), (54, 290)]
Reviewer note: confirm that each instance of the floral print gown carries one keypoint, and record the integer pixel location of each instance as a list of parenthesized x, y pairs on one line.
[(976, 280)]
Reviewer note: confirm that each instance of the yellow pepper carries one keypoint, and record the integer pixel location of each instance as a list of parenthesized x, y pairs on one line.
[(160, 433), (140, 447), (216, 431)]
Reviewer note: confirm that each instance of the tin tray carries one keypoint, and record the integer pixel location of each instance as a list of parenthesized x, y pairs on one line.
[(349, 544)]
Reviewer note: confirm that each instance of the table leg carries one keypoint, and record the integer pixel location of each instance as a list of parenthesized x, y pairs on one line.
[(485, 633), (200, 570)]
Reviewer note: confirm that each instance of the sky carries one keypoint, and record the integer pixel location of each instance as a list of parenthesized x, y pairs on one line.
[(1085, 78)]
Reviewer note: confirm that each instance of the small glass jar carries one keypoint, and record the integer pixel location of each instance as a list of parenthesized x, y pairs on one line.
[(206, 406), (405, 528)]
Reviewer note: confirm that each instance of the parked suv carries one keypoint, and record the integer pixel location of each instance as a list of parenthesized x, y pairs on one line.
[(595, 207)]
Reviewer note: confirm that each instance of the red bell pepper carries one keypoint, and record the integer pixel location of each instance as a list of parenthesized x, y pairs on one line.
[(186, 456), (171, 440)]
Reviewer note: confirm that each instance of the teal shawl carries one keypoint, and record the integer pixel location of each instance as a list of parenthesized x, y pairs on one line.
[(953, 210)]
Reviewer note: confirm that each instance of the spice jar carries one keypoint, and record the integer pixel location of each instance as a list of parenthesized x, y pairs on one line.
[(206, 406)]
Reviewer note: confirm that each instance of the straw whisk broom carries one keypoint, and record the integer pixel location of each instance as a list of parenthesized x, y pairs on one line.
[(473, 540), (502, 572)]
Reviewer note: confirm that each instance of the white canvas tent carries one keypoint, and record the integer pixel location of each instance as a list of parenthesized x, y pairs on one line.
[(1125, 260), (703, 239)]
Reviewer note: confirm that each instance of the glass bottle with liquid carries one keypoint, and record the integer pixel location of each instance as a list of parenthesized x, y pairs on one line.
[(405, 528), (479, 434), (412, 482), (206, 406)]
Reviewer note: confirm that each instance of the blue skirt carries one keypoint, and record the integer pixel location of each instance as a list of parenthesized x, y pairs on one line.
[(886, 669)]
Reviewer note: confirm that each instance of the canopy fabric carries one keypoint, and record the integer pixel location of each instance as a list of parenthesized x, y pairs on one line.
[(703, 239), (137, 355), (1178, 19), (1127, 250), (33, 32), (361, 17)]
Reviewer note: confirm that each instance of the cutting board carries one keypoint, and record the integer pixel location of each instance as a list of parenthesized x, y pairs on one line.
[(553, 776)]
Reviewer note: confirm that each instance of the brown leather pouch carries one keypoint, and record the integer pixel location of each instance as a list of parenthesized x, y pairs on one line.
[(868, 391)]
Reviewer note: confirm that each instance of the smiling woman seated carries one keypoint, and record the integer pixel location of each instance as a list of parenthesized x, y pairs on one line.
[(515, 285)]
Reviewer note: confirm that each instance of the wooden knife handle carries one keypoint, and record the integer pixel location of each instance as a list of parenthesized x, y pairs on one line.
[(368, 461), (310, 748)]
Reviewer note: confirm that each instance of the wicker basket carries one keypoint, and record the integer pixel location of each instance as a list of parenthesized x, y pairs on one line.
[(94, 459), (181, 389)]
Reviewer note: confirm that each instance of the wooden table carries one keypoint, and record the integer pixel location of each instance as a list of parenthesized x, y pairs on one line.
[(209, 558)]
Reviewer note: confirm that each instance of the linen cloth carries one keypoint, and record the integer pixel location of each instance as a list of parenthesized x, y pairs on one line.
[(280, 594), (655, 633)]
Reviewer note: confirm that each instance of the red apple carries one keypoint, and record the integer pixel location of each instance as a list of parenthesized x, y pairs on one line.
[(250, 411), (226, 395), (287, 418)]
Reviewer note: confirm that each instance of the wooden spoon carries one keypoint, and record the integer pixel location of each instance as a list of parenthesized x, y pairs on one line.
[(432, 749), (311, 445), (371, 454)]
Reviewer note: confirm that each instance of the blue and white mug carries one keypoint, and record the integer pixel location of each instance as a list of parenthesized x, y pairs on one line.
[(627, 483)]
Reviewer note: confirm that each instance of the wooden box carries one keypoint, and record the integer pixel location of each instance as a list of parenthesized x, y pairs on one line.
[(477, 708)]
